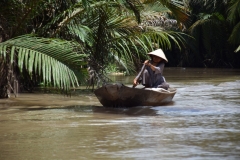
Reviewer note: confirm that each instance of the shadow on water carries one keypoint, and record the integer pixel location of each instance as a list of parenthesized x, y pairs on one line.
[(133, 111)]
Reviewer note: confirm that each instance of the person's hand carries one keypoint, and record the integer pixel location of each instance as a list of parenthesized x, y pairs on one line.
[(135, 82), (146, 62)]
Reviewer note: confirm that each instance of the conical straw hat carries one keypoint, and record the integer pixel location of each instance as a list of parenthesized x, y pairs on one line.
[(159, 53)]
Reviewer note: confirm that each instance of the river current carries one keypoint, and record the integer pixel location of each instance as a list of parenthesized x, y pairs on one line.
[(202, 122)]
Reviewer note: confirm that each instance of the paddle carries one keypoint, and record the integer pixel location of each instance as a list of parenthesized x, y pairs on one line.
[(141, 72)]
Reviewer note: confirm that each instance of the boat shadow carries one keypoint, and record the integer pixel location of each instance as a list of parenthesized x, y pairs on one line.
[(131, 111)]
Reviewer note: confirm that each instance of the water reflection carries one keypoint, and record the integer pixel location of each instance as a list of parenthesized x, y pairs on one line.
[(135, 111)]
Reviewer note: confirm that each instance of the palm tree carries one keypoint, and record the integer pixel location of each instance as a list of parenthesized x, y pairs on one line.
[(234, 20), (101, 30), (53, 59), (114, 31), (212, 32), (48, 60)]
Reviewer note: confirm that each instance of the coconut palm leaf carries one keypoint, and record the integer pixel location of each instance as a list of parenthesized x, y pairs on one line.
[(78, 10), (233, 18), (238, 49), (210, 38), (234, 11), (234, 38), (52, 59), (124, 38), (177, 8), (136, 6)]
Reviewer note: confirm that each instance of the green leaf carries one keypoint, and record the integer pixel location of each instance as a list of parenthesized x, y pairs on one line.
[(52, 59)]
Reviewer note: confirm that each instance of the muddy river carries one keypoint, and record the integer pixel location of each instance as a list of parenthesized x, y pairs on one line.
[(202, 122)]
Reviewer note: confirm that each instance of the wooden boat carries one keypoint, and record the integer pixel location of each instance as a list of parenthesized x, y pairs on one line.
[(119, 95)]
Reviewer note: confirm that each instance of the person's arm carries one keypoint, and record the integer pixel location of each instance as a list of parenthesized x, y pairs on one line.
[(157, 69), (136, 79)]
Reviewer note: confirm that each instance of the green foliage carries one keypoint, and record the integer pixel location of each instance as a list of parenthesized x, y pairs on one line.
[(211, 30), (234, 11), (68, 30), (112, 68), (238, 49), (52, 59), (109, 30), (234, 19)]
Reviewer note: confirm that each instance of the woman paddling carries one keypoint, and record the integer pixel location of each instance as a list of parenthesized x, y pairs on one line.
[(151, 74)]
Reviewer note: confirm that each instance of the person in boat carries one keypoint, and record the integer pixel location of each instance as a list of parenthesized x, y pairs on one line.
[(151, 74)]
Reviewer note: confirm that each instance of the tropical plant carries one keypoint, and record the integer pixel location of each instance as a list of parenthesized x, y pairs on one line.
[(234, 20), (211, 30), (48, 60), (103, 30), (52, 59), (115, 32)]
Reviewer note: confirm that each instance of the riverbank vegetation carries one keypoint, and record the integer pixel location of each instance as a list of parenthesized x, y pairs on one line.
[(54, 42)]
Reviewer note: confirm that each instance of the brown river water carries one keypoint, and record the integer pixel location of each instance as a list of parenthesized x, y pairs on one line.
[(202, 123)]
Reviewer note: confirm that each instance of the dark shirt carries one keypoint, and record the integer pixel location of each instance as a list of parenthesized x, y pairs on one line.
[(155, 78)]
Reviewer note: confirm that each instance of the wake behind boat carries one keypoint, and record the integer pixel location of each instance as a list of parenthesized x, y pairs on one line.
[(119, 95)]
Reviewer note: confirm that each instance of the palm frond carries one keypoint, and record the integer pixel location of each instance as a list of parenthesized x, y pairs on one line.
[(170, 15), (210, 36), (127, 65), (136, 7), (234, 11), (79, 9), (81, 32), (177, 8), (121, 36), (134, 42), (238, 49), (235, 35), (53, 59)]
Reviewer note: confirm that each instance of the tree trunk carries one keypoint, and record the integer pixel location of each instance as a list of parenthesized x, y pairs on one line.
[(4, 67), (4, 76)]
